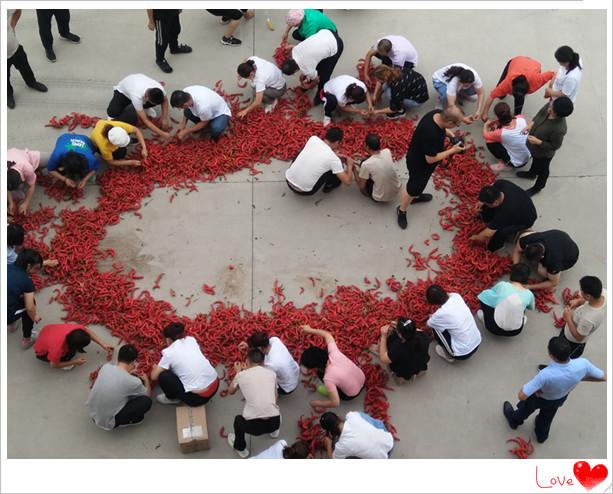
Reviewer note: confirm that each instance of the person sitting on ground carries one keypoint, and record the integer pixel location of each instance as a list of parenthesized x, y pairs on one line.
[(184, 373), (393, 51), (503, 306), (231, 17), (342, 92), (261, 412), (307, 23), (120, 395), (59, 343), (111, 139), (506, 209), (343, 379), (22, 165), (453, 324), (267, 81), (376, 176), (455, 83), (318, 165), (281, 451), (277, 358), (202, 106), (505, 139), (73, 160), (404, 349), (405, 88), (358, 435), (553, 250)]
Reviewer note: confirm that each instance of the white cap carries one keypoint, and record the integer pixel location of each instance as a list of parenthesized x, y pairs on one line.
[(119, 137)]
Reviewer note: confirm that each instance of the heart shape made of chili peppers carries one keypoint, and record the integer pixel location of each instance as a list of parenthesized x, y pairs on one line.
[(590, 477)]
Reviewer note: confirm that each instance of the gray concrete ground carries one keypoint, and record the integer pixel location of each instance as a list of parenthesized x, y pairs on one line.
[(455, 411)]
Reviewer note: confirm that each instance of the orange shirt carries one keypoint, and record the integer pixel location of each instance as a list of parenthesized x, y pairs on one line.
[(527, 67)]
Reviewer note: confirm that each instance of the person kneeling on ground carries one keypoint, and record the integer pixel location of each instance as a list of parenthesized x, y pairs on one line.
[(376, 176), (203, 107), (281, 451), (73, 160), (111, 138), (120, 395)]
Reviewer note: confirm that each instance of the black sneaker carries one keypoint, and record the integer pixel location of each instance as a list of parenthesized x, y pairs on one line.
[(50, 54), (331, 187), (72, 37), (39, 86), (231, 41), (163, 64), (529, 175), (181, 49), (10, 101), (396, 115), (507, 409), (422, 198), (402, 218), (224, 20)]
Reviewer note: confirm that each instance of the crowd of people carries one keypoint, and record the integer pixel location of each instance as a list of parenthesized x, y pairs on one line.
[(121, 394)]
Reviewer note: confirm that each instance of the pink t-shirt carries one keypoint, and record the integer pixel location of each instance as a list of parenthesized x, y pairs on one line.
[(342, 373), (26, 163)]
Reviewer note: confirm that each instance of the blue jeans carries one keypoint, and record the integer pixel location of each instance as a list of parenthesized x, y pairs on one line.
[(441, 88), (217, 124), (409, 103)]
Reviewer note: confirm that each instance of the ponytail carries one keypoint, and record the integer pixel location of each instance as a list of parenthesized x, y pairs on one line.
[(245, 68)]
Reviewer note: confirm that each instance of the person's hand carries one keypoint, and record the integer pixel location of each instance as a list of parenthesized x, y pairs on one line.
[(305, 328), (475, 238), (349, 161), (289, 46), (166, 135), (478, 206), (82, 184), (567, 314), (165, 125), (364, 113), (574, 303), (79, 361), (366, 77), (474, 117), (144, 153), (10, 209), (484, 117), (535, 141), (50, 263), (467, 120), (37, 318), (143, 377), (134, 163), (249, 14), (457, 148), (314, 403), (22, 208), (107, 347), (548, 93), (238, 366), (181, 134), (242, 113), (69, 183), (151, 26), (243, 345), (385, 330)]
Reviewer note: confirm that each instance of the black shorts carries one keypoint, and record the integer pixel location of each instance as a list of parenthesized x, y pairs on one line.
[(233, 14), (417, 183)]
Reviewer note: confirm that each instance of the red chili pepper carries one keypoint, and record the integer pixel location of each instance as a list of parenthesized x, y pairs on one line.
[(222, 432)]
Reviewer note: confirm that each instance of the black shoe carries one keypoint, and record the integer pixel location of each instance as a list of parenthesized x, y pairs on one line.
[(50, 54), (163, 64), (72, 37), (181, 49), (540, 440), (543, 366), (39, 86), (224, 20), (331, 187), (422, 198), (528, 174), (508, 410), (231, 41), (533, 191), (401, 216), (10, 101), (396, 115)]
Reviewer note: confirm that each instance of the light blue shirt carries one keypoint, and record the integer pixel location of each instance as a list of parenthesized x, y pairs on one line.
[(502, 290), (11, 255), (557, 380)]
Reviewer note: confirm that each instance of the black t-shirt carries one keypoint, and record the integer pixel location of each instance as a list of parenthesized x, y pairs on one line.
[(561, 252), (411, 85), (517, 207), (428, 139), (406, 361)]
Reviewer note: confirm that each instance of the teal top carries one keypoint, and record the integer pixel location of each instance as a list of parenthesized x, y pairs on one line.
[(313, 22), (502, 290)]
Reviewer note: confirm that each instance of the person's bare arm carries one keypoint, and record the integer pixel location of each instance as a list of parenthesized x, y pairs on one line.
[(328, 338), (551, 282)]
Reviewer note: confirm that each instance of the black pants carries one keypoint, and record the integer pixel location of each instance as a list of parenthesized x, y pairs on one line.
[(167, 32), (327, 178), (518, 102), (326, 66), (443, 338), (542, 424), (498, 239), (173, 389), (26, 323), (499, 151), (67, 357), (255, 427), (134, 411), (120, 108), (540, 168), (331, 104), (576, 349), (20, 61), (490, 323), (62, 17)]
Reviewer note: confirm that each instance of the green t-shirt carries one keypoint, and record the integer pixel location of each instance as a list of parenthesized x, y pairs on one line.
[(313, 22)]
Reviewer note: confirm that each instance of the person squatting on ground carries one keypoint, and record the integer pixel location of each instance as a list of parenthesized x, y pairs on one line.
[(22, 165), (505, 139), (404, 88), (376, 176), (550, 388), (232, 18), (184, 373), (393, 51), (261, 412), (120, 395), (73, 160), (167, 27), (267, 81), (299, 450), (506, 209), (426, 151), (111, 139), (307, 23), (62, 17), (203, 107), (455, 83), (342, 92), (503, 307)]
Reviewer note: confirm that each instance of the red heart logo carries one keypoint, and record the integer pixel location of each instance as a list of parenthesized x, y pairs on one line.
[(589, 477)]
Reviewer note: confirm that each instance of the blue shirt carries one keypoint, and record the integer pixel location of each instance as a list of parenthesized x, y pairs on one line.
[(557, 380), (73, 142), (18, 282)]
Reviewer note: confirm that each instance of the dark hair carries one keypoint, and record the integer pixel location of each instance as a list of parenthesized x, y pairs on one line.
[(565, 54), (591, 285), (385, 45), (520, 273), (334, 134), (329, 422), (354, 93), (314, 357), (127, 354), (14, 234), (406, 328), (13, 179), (436, 295), (255, 356), (563, 106), (534, 252), (178, 98), (387, 73), (245, 68), (465, 75), (559, 347), (175, 331), (155, 95), (106, 129), (297, 451), (77, 340), (520, 86), (373, 142), (503, 113), (258, 339), (489, 194), (75, 165), (28, 257), (289, 66)]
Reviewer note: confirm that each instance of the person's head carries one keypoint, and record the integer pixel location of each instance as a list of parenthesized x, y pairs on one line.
[(174, 331), (127, 354), (77, 340), (13, 178), (75, 166), (406, 328), (520, 273), (298, 451), (534, 252), (503, 113), (567, 57), (452, 116), (490, 196), (246, 69), (29, 260), (334, 136), (372, 142), (331, 423), (465, 76), (289, 66), (520, 86), (559, 348), (561, 107), (180, 99), (255, 356), (386, 74), (436, 295), (14, 234), (314, 357), (591, 287), (384, 47), (294, 17), (118, 136), (154, 95), (355, 94), (259, 339)]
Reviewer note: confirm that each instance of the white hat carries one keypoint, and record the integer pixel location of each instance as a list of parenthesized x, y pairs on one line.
[(119, 137)]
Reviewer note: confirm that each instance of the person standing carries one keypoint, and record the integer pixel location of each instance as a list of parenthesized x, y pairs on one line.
[(167, 27), (550, 388), (376, 176), (232, 18), (568, 79), (62, 17)]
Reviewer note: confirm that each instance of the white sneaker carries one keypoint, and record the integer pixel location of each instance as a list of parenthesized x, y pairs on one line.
[(441, 353), (326, 121), (271, 106), (151, 113), (439, 104), (68, 367), (164, 400), (480, 315), (244, 453), (275, 433)]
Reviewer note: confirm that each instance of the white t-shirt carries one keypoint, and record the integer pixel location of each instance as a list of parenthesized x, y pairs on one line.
[(275, 452), (568, 83), (455, 317), (185, 360), (380, 168), (11, 40), (134, 87), (402, 50), (266, 75), (281, 361), (207, 104), (258, 386), (362, 439), (338, 85), (452, 85), (313, 50), (313, 161), (515, 142), (587, 319)]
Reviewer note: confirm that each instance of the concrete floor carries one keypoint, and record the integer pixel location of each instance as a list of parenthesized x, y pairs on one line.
[(454, 412)]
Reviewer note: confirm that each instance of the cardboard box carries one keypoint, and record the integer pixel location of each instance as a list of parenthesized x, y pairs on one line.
[(191, 429)]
